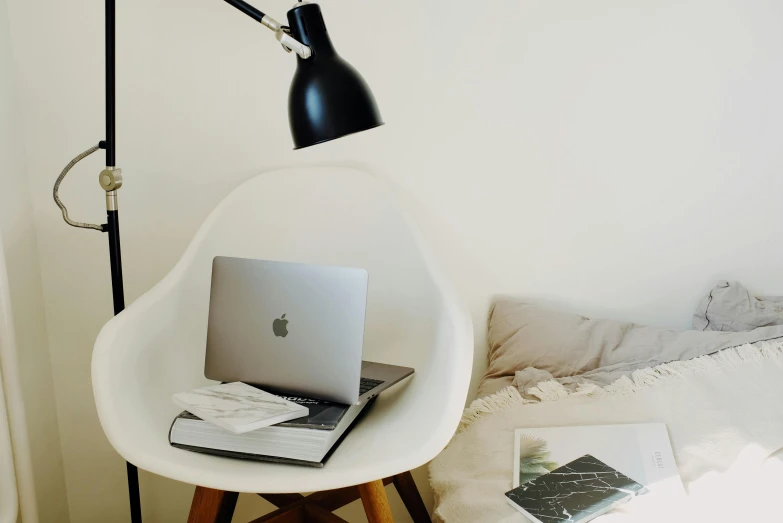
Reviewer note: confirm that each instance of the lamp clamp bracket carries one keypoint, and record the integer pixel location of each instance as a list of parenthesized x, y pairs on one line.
[(110, 179), (283, 35)]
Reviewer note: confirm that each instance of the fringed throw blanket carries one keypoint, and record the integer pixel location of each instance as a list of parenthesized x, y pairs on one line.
[(724, 413)]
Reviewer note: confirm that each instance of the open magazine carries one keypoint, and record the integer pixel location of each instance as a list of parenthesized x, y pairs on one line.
[(642, 452)]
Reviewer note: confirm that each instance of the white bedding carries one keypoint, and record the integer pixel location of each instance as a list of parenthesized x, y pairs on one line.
[(723, 416)]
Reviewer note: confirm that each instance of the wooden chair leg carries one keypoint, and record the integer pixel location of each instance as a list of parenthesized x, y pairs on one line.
[(407, 490), (376, 504), (212, 506)]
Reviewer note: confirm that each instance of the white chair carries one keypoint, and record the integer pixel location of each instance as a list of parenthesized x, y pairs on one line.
[(317, 215)]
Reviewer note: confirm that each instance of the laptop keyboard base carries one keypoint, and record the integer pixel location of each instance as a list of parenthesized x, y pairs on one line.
[(367, 384)]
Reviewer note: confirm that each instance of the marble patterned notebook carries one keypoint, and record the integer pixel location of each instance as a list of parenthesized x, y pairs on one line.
[(577, 492), (238, 407)]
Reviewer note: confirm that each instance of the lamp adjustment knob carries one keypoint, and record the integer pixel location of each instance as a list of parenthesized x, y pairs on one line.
[(110, 178)]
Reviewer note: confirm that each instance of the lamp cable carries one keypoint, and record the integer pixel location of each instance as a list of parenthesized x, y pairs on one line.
[(59, 202)]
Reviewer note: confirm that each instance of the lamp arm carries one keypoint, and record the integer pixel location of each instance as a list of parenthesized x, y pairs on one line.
[(250, 11), (282, 34)]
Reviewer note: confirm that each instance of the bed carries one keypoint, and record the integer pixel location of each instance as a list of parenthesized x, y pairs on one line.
[(716, 389)]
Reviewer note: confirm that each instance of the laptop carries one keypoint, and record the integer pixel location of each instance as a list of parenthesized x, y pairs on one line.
[(293, 328)]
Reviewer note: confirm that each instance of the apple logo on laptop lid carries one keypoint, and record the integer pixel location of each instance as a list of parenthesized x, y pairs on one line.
[(280, 327)]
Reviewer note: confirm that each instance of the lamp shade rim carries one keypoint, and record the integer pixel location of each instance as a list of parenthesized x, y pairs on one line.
[(337, 137)]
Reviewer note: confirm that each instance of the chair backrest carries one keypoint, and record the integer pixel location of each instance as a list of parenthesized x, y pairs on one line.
[(327, 216), (331, 216)]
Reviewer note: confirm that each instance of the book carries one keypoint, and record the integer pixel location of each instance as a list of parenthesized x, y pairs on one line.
[(238, 407), (305, 441), (576, 492), (277, 459), (640, 451)]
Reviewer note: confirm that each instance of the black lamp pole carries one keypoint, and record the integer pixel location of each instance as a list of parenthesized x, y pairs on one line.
[(110, 82), (112, 225)]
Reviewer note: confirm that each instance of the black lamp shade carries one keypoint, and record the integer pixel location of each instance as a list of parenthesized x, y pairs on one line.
[(328, 98)]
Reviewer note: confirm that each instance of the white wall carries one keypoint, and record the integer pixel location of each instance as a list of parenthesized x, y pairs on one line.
[(613, 158), (36, 441)]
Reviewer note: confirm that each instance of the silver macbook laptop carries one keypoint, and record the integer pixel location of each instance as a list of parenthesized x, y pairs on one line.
[(293, 328)]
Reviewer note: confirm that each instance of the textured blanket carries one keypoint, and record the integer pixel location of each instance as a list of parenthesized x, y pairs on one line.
[(724, 418)]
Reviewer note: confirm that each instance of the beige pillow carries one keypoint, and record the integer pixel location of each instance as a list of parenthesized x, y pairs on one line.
[(564, 344)]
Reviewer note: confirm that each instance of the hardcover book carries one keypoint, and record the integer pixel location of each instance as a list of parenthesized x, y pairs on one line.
[(276, 459), (576, 492), (303, 441), (238, 407)]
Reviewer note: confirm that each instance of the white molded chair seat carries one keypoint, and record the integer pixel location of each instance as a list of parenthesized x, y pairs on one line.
[(316, 215)]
